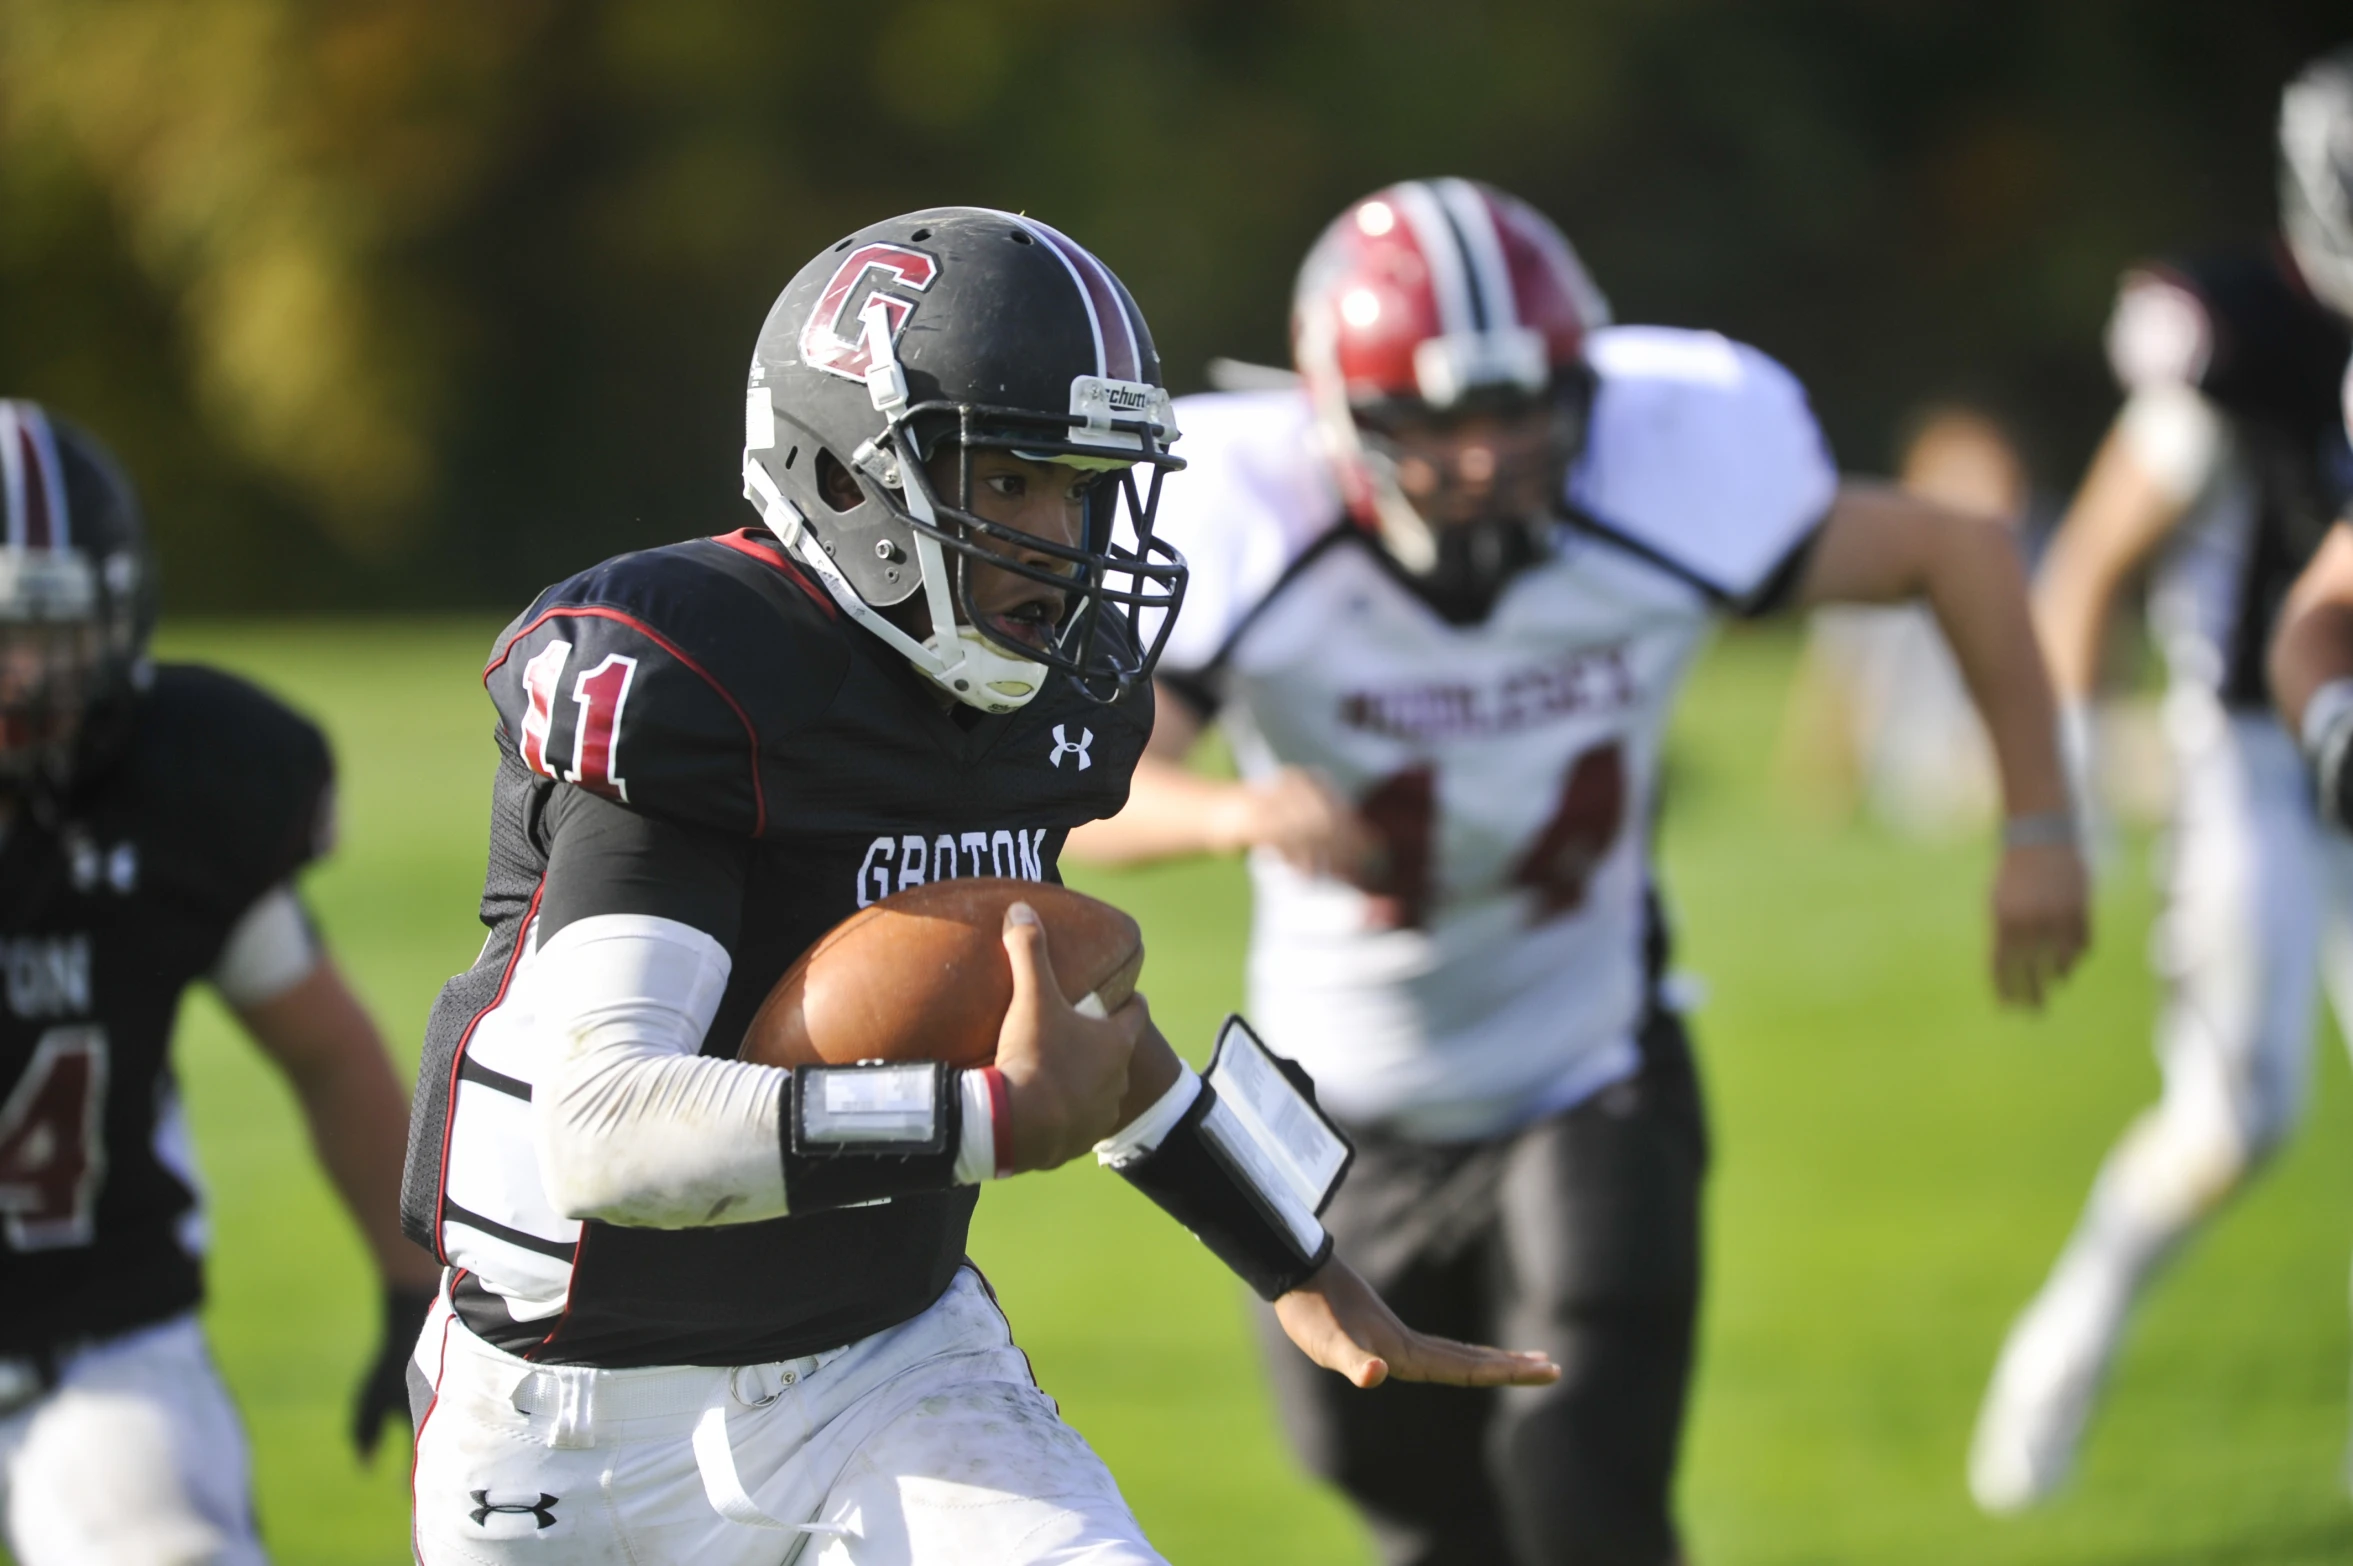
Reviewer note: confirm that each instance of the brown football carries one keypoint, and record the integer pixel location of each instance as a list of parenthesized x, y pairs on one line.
[(923, 975)]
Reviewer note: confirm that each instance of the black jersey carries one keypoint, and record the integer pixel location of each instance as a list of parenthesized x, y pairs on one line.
[(763, 744), (2243, 331), (111, 903)]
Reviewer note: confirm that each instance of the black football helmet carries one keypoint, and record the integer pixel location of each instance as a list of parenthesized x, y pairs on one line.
[(969, 328), (77, 599), (2316, 176)]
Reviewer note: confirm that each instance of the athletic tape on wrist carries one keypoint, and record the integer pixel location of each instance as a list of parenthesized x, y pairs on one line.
[(1246, 1170), (860, 1134)]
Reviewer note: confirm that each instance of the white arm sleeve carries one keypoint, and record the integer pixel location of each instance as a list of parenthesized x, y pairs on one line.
[(270, 949), (632, 1124)]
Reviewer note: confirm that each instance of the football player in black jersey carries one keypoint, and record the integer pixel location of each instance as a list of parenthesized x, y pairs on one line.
[(702, 1309), (2225, 468), (2312, 656), (152, 821)]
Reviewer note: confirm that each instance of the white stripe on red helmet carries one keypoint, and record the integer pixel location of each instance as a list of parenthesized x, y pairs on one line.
[(1474, 222)]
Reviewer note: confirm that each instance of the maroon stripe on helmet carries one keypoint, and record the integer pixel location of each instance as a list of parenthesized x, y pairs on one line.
[(1106, 303)]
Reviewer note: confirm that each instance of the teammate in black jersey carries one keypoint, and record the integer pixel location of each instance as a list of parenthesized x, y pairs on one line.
[(152, 820), (706, 1310), (2225, 468)]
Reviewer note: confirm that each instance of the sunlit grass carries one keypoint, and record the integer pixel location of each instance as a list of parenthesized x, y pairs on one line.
[(1895, 1164)]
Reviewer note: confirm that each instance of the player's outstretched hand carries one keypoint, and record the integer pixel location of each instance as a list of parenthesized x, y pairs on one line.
[(2042, 920), (1065, 1073), (384, 1390), (1340, 1323), (1301, 816)]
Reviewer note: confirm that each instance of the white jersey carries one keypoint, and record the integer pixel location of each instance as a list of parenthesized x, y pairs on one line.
[(1510, 765)]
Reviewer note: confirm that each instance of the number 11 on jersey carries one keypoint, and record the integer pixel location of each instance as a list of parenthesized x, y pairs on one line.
[(601, 694)]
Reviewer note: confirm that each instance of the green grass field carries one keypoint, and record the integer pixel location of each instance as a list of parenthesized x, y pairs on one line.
[(1895, 1165)]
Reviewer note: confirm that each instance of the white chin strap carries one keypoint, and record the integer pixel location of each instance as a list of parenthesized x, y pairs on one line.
[(967, 665)]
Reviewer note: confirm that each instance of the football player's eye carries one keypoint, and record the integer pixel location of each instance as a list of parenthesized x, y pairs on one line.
[(1011, 485)]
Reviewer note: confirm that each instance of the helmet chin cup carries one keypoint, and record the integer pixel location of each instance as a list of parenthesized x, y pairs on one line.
[(967, 665), (978, 673)]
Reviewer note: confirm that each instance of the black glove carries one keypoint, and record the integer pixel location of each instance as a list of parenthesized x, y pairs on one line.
[(384, 1391)]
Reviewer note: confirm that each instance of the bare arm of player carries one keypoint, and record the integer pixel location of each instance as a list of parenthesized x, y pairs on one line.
[(1879, 545), (2314, 643), (1067, 1076), (2123, 511), (1173, 810), (320, 1036)]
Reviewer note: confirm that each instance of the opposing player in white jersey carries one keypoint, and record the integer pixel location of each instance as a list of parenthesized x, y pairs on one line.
[(2225, 466), (1443, 597)]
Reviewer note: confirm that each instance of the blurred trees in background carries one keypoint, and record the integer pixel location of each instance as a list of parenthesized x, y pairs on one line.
[(426, 302)]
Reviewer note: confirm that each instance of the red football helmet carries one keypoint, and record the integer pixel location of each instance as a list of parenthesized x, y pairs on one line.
[(1433, 299)]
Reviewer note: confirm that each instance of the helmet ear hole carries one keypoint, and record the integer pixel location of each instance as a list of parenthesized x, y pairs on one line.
[(834, 483)]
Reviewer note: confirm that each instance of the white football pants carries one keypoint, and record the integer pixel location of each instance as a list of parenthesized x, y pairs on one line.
[(925, 1445), (135, 1458), (2258, 895)]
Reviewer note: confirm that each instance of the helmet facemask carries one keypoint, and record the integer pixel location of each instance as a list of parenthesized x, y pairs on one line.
[(1463, 518), (53, 658)]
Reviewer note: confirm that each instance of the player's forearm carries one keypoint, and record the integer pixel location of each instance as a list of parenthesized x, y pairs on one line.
[(635, 1133), (353, 1104), (1977, 589), (1171, 811)]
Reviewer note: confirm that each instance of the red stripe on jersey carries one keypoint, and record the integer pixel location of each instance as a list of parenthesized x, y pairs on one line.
[(457, 1058), (620, 617), (749, 541)]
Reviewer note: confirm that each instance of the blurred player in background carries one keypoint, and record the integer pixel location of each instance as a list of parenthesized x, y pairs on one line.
[(152, 821), (1880, 714), (1443, 597), (705, 1310), (2227, 464)]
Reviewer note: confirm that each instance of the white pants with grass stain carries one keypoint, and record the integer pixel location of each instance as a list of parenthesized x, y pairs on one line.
[(927, 1443)]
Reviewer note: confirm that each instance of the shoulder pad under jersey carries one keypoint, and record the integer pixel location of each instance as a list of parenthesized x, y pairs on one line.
[(1256, 490), (2234, 325), (1704, 451), (652, 679), (240, 784)]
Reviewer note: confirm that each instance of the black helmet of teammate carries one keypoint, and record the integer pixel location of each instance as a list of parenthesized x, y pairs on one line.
[(965, 327), (2316, 176), (77, 598)]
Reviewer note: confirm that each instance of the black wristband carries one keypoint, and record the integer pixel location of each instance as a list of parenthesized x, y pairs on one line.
[(1194, 1183), (824, 1168)]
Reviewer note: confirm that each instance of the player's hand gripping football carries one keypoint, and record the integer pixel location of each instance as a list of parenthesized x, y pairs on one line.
[(1065, 1074), (1340, 1323), (2042, 920)]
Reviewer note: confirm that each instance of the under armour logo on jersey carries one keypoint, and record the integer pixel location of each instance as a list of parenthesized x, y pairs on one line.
[(1064, 745), (541, 1510)]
